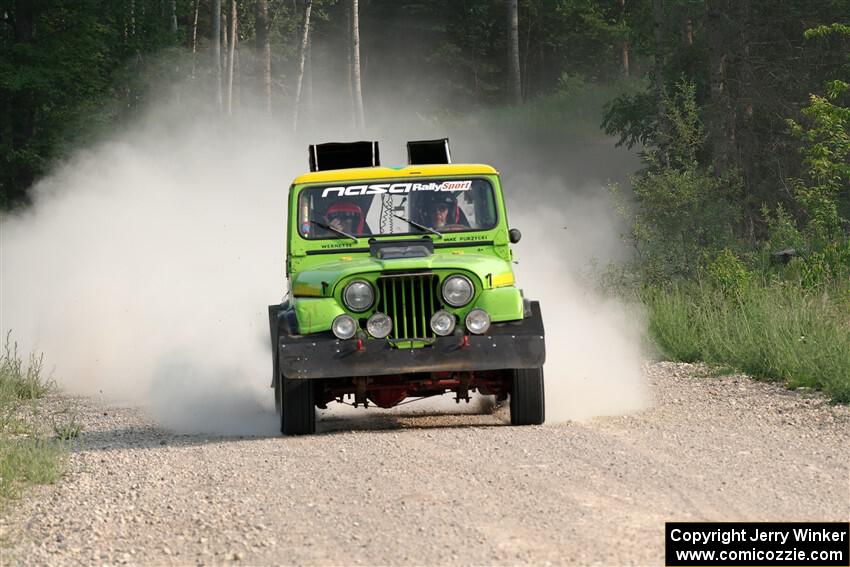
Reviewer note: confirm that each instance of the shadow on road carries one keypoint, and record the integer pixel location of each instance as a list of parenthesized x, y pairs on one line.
[(339, 419), (371, 420)]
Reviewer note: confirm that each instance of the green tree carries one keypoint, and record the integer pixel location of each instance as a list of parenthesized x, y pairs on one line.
[(63, 73), (824, 190), (684, 212)]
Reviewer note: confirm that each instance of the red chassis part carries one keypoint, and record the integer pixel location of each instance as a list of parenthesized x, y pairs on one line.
[(389, 391)]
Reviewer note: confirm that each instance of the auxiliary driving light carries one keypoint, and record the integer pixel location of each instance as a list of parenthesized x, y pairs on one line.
[(379, 325), (358, 296), (443, 323), (457, 290), (344, 326), (478, 321)]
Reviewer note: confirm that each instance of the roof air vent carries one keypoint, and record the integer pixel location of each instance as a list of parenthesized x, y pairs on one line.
[(423, 152), (343, 155)]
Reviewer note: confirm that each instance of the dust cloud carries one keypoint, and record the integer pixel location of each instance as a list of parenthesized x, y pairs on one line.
[(145, 265), (593, 343)]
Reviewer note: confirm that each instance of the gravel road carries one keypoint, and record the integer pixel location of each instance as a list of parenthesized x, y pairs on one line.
[(437, 489)]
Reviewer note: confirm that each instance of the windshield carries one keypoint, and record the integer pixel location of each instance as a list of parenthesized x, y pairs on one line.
[(375, 209)]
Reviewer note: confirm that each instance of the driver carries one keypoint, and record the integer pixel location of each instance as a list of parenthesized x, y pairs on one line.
[(345, 216), (445, 213)]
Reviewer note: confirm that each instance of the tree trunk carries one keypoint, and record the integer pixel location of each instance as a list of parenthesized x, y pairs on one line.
[(350, 77), (305, 42), (195, 35), (265, 48), (225, 50), (515, 86), (24, 22), (237, 79), (308, 83), (359, 115), (174, 16), (525, 85), (132, 17), (721, 122), (216, 52), (624, 48), (658, 21), (743, 129), (231, 60)]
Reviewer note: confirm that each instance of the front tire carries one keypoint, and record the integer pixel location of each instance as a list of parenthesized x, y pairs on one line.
[(297, 409), (277, 398), (528, 402)]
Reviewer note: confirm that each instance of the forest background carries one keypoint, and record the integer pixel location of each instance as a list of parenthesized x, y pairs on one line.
[(739, 111)]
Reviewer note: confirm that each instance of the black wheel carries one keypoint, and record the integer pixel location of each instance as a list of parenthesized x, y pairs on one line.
[(277, 402), (297, 406), (274, 325), (528, 404)]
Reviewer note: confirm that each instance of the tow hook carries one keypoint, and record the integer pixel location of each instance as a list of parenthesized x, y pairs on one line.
[(462, 392), (360, 392)]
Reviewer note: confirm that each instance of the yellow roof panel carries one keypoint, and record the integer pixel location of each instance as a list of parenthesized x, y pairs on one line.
[(368, 173)]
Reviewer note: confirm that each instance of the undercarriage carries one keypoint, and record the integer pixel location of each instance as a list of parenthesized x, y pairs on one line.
[(389, 391)]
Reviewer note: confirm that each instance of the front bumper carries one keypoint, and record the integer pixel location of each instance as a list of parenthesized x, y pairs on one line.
[(517, 344)]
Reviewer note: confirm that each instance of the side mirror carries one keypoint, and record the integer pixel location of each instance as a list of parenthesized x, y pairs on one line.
[(514, 235)]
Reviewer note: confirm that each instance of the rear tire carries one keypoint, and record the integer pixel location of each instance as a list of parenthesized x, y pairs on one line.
[(528, 403), (297, 407)]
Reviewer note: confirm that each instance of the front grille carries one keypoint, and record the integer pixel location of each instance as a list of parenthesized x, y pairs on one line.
[(410, 300)]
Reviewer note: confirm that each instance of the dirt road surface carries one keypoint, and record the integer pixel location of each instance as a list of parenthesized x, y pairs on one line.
[(436, 489)]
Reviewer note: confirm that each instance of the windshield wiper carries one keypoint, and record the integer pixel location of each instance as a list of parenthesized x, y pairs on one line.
[(419, 226), (332, 229)]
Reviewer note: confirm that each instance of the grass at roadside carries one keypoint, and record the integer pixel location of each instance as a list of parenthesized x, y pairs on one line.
[(28, 454), (769, 331)]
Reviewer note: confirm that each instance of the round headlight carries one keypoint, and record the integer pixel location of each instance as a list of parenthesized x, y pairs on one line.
[(478, 321), (443, 323), (379, 325), (344, 326), (457, 290), (358, 296)]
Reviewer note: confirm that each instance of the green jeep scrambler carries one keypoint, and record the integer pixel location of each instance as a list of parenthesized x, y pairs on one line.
[(401, 285)]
